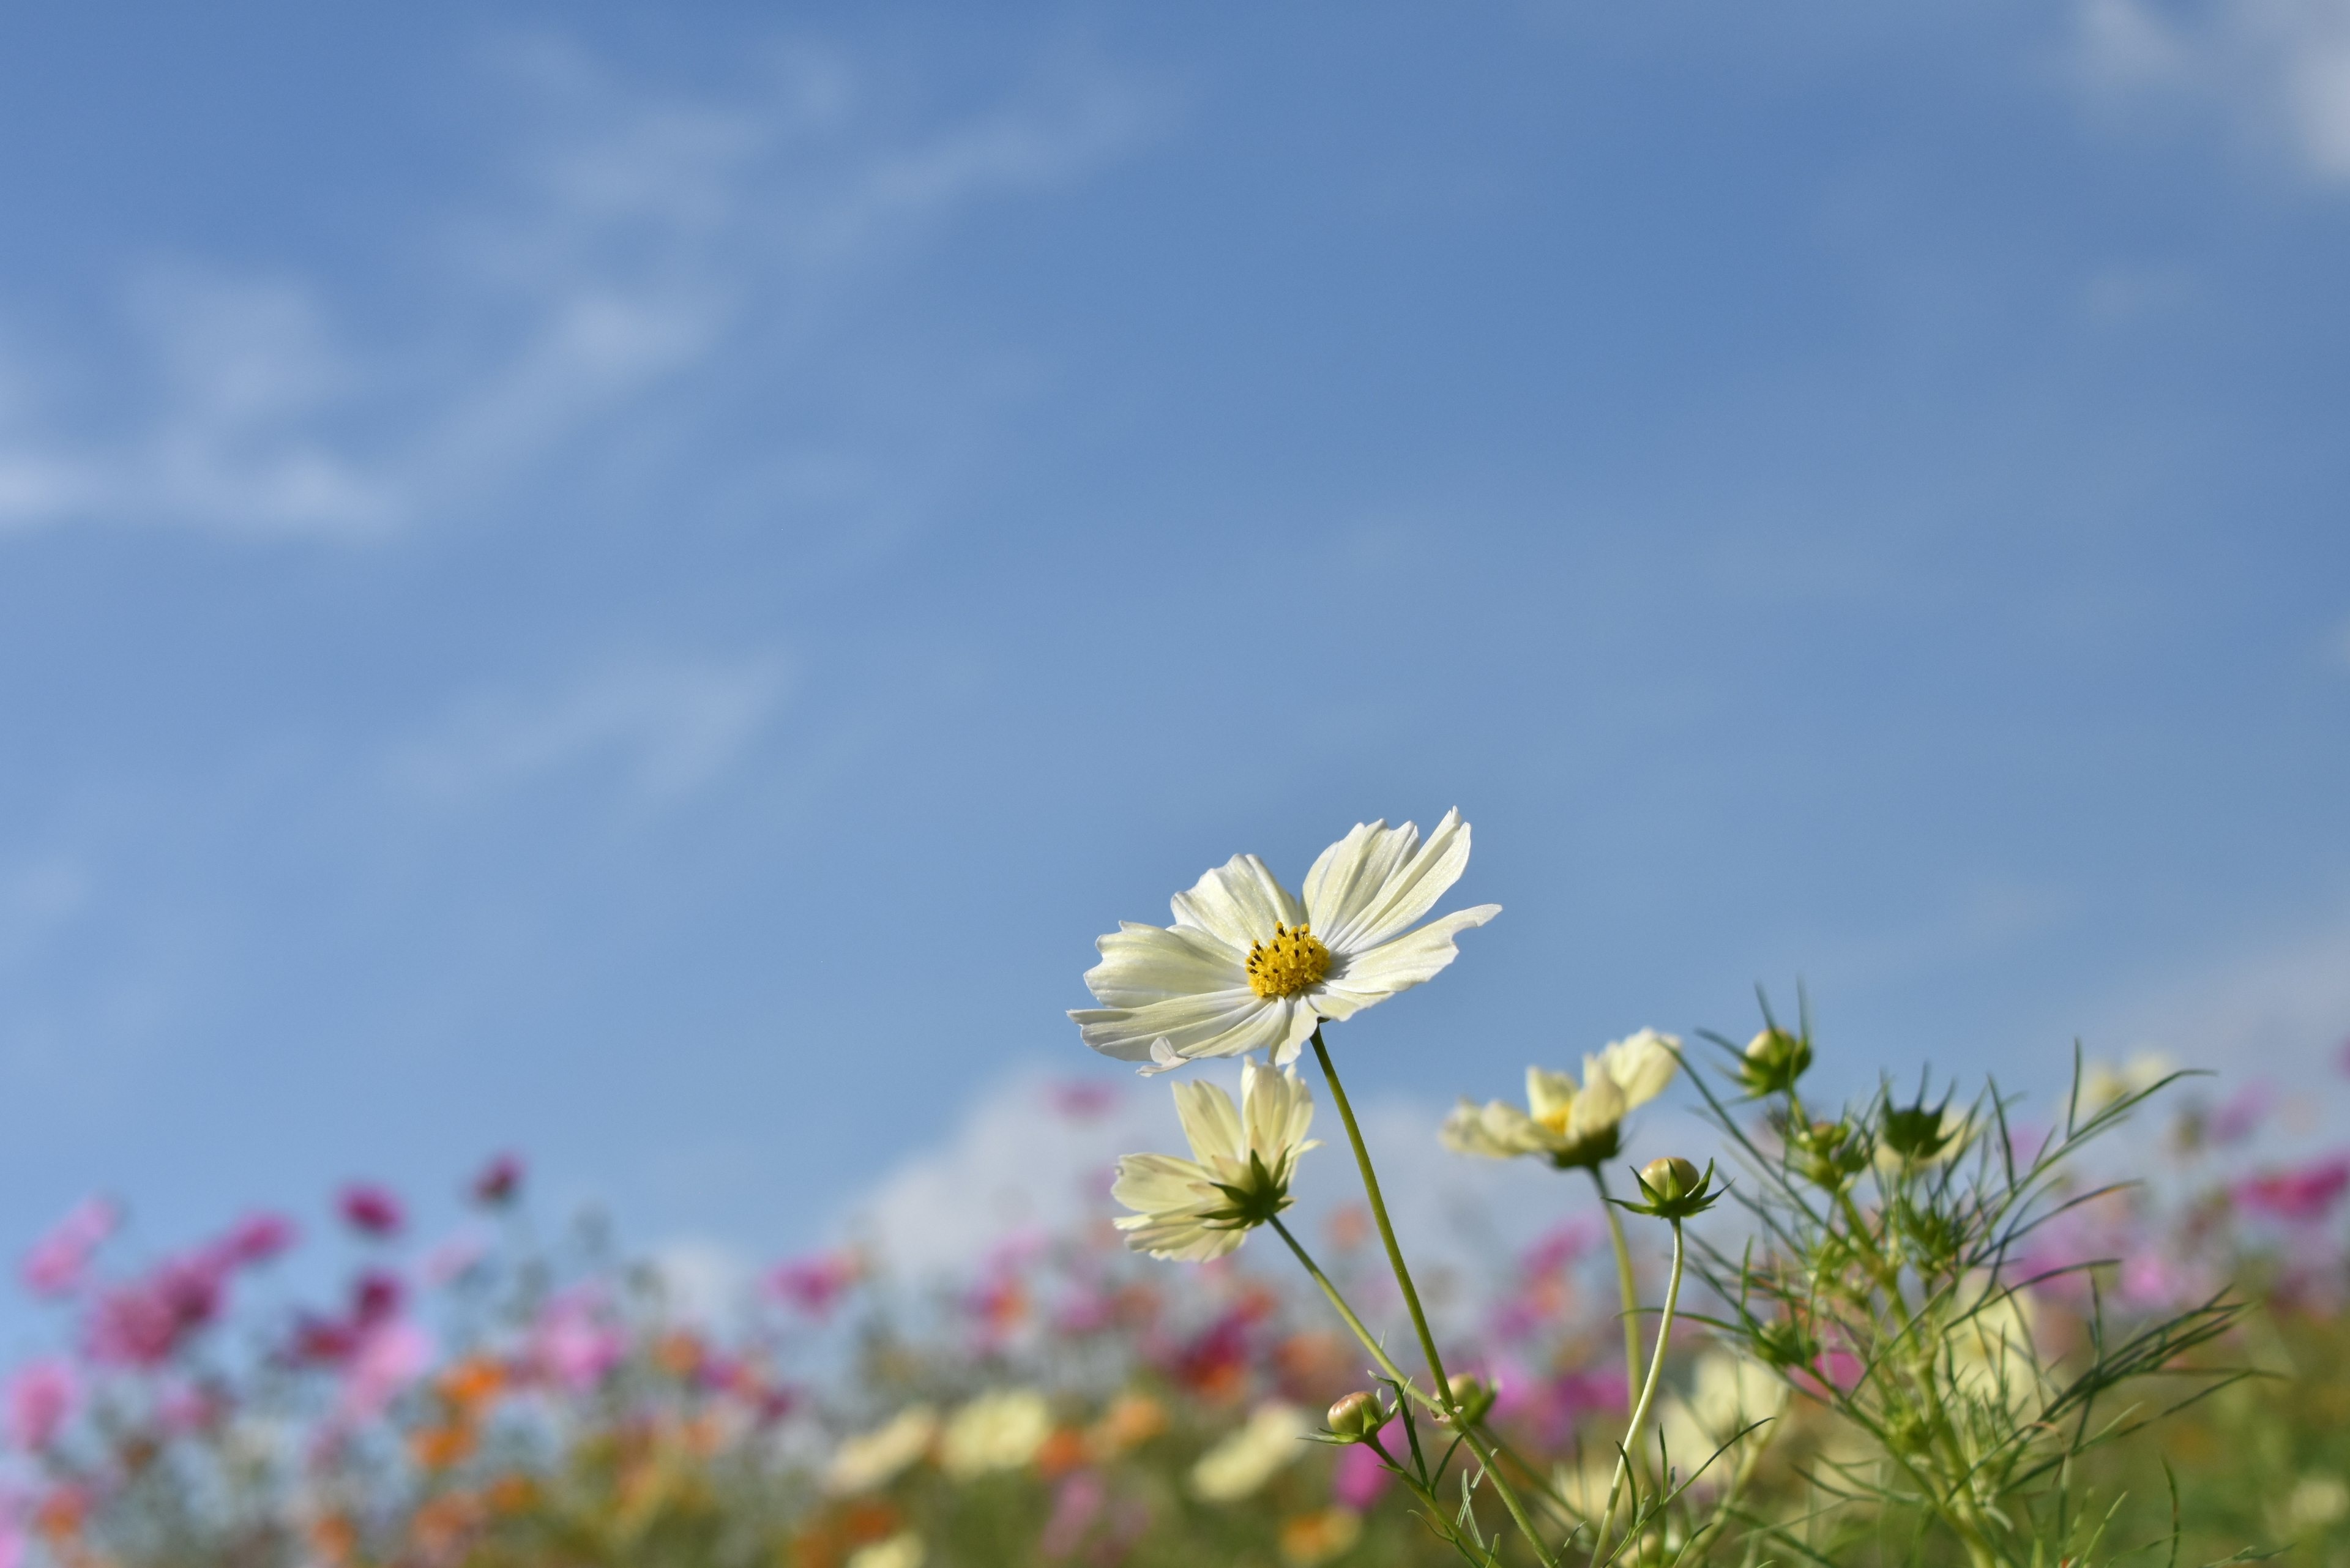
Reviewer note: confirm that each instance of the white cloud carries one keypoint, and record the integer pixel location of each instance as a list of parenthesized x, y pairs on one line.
[(2278, 1011), (2280, 70), (629, 239), (668, 726)]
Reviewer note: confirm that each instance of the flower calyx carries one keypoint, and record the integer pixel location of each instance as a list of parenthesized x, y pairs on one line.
[(1916, 1132), (1826, 1154), (1772, 1061), (1674, 1187), (1473, 1396), (1357, 1418)]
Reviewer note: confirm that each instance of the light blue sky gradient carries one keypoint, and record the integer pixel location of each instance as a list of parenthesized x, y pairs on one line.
[(639, 584)]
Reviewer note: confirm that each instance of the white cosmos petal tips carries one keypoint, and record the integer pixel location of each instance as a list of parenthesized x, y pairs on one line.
[(1238, 1176), (1567, 1126), (1246, 966)]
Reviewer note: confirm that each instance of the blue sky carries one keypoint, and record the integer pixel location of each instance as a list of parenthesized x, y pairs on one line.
[(639, 585)]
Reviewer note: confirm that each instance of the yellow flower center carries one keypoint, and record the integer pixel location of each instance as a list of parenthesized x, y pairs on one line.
[(1292, 962)]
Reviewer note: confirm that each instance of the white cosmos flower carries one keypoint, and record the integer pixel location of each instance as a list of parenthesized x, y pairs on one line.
[(1567, 1126), (1246, 966), (1238, 1176)]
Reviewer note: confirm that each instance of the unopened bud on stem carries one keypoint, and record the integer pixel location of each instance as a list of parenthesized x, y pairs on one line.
[(1357, 1416)]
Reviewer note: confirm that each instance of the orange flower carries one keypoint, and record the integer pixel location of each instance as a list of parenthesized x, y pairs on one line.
[(473, 1383), (440, 1448), (680, 1354), (1062, 1452), (511, 1494), (1131, 1418), (335, 1538), (1309, 1539)]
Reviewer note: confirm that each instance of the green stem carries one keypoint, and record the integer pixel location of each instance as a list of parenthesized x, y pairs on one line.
[(1626, 1287), (1648, 1398), (1387, 1227), (1444, 1389)]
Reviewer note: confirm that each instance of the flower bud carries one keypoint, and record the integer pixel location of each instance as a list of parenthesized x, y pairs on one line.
[(1670, 1177), (1916, 1132), (1471, 1395), (1774, 1059), (1357, 1416)]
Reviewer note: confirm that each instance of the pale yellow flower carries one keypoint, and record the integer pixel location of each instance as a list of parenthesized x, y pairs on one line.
[(874, 1460), (997, 1431), (1246, 966), (1236, 1468), (2102, 1083), (1993, 1356), (1238, 1176), (904, 1550), (1726, 1395), (1565, 1124)]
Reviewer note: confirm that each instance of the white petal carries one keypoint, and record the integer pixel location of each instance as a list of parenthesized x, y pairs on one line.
[(1361, 979), (1143, 964), (1642, 1066), (1549, 1095), (1238, 903), (1221, 1023), (1374, 883), (1209, 1123), (1180, 1236), (1599, 1107), (1153, 1183)]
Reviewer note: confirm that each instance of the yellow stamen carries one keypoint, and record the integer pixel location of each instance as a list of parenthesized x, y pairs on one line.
[(1292, 962)]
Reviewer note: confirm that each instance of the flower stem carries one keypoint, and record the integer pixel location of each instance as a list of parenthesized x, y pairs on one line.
[(1443, 1385), (1640, 1411), (1626, 1287)]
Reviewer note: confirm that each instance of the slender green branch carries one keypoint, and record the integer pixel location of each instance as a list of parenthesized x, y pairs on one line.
[(1648, 1398), (1444, 1389), (1626, 1287)]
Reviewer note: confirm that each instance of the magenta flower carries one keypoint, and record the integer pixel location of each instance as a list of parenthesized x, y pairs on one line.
[(257, 1239), (1075, 1505), (1359, 1478), (498, 1183), (814, 1285), (371, 1210), (59, 1261), (144, 1324), (41, 1399), (2302, 1196)]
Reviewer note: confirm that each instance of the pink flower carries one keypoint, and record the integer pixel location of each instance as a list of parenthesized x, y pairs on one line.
[(2299, 1197), (41, 1399), (390, 1357), (1560, 1245), (2242, 1115), (498, 1183), (59, 1261), (573, 1345), (814, 1285), (145, 1323), (257, 1239), (1359, 1478), (453, 1258), (1084, 1101), (1076, 1506), (371, 1210)]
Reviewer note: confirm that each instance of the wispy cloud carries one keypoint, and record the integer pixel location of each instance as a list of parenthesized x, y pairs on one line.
[(2279, 71), (630, 238), (665, 727)]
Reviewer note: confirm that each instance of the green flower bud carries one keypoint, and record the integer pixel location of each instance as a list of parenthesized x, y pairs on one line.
[(1357, 1414), (1471, 1395), (1774, 1059), (1675, 1188), (1916, 1132)]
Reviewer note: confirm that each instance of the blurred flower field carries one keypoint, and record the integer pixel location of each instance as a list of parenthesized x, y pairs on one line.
[(527, 1396)]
